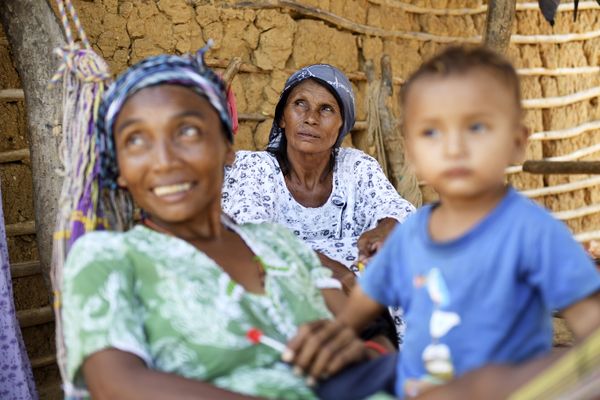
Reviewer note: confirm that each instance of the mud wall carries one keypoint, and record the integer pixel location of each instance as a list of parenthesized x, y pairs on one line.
[(272, 42), (30, 292)]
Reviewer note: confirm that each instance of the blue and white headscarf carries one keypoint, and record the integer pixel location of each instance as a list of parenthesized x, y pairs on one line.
[(188, 70), (330, 77)]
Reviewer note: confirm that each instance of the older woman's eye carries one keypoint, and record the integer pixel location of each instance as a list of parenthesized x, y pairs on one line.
[(478, 127), (328, 108), (300, 103)]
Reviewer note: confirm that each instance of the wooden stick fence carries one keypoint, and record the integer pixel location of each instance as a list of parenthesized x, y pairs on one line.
[(43, 361), (564, 188), (348, 25), (558, 101), (566, 133), (35, 316), (575, 155), (11, 94), (561, 167), (587, 236), (409, 8), (559, 38), (20, 229), (558, 71), (14, 155), (23, 269), (577, 213)]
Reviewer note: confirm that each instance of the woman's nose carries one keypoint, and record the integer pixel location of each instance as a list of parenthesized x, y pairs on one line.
[(311, 117), (164, 155)]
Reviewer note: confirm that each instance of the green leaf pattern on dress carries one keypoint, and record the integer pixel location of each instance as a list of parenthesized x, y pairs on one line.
[(158, 297)]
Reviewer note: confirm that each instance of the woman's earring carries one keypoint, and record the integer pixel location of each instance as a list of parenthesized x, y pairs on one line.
[(121, 182)]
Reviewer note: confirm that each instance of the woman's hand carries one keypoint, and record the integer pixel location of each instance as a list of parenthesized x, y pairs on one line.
[(323, 348), (370, 241), (340, 272)]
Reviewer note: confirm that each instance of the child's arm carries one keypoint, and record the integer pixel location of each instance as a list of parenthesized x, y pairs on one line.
[(583, 317), (360, 310), (322, 348)]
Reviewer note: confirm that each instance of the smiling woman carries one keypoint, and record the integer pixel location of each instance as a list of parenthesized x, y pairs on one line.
[(166, 138), (161, 311)]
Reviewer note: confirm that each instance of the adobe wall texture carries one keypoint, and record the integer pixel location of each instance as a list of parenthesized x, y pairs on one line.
[(277, 41), (273, 42)]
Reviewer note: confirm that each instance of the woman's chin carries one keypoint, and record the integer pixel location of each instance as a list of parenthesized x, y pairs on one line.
[(311, 147)]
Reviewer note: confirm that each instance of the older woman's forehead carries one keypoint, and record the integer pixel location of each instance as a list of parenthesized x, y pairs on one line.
[(314, 86)]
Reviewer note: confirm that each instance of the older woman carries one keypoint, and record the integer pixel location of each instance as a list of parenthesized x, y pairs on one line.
[(335, 199), (162, 311)]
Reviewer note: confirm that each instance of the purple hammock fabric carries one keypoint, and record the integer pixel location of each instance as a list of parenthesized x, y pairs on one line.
[(16, 379)]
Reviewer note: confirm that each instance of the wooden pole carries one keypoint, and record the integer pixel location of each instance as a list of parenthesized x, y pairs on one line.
[(33, 32), (562, 167), (498, 24)]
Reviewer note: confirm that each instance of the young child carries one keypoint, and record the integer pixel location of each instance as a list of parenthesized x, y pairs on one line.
[(478, 273)]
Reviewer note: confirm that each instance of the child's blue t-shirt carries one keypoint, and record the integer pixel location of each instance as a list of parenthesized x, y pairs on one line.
[(503, 278)]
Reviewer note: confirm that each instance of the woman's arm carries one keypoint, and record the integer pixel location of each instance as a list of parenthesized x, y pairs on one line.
[(114, 374), (340, 272), (370, 241), (379, 204)]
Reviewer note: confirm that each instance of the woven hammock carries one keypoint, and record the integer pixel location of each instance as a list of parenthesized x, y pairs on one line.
[(84, 76)]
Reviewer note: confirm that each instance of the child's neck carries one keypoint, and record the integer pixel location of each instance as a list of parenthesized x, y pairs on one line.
[(454, 217)]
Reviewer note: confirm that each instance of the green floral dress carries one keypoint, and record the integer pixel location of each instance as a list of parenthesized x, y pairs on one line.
[(158, 297)]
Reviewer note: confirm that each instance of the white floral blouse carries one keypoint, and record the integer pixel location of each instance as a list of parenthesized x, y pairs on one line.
[(255, 191)]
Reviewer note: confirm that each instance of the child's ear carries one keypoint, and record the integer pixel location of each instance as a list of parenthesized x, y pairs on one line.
[(521, 136)]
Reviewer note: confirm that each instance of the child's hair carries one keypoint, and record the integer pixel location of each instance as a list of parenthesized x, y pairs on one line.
[(457, 60)]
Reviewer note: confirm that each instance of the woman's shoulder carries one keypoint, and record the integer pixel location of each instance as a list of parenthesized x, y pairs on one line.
[(245, 159), (265, 230), (271, 234), (99, 241), (349, 156), (107, 248)]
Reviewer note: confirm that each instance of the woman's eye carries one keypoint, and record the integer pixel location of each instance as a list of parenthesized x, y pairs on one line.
[(328, 109), (300, 103), (135, 139), (477, 127), (189, 131)]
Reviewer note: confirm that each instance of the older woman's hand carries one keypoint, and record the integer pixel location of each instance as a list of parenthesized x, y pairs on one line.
[(370, 241), (340, 272), (323, 348)]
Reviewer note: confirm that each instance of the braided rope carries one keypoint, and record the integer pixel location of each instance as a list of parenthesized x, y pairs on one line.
[(84, 75)]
